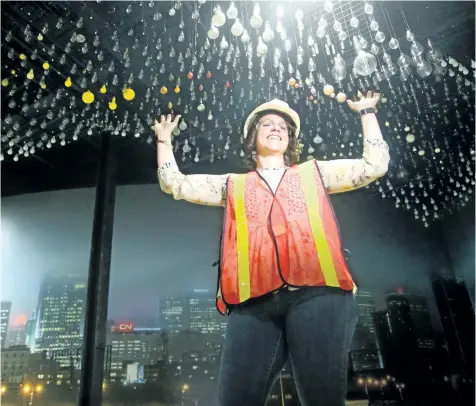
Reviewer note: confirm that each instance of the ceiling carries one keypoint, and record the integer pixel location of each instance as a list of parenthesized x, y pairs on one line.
[(161, 51)]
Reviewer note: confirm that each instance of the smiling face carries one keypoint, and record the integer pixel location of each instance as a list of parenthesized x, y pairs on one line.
[(272, 135)]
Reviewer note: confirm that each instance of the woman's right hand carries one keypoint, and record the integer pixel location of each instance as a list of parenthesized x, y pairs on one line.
[(163, 130)]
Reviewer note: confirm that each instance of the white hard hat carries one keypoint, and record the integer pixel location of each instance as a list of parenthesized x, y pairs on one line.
[(274, 105)]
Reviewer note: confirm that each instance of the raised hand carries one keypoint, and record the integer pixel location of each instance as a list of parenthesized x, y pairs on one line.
[(163, 130), (370, 100)]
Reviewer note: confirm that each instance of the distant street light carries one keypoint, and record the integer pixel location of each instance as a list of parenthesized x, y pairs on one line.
[(400, 387), (361, 381), (30, 390), (185, 388)]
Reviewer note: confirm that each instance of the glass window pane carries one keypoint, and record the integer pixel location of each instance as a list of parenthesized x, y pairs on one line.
[(46, 241)]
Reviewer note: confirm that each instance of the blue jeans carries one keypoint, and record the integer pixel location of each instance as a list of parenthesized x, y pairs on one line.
[(313, 327)]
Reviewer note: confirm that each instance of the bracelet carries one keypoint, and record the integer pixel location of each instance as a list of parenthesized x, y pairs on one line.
[(368, 110), (163, 142)]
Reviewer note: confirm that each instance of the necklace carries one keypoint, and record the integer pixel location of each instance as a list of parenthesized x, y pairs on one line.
[(272, 169)]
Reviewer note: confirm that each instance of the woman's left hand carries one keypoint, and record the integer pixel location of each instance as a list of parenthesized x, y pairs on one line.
[(368, 101)]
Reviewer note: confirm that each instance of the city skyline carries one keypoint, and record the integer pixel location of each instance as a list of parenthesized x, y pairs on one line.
[(391, 346), (64, 298)]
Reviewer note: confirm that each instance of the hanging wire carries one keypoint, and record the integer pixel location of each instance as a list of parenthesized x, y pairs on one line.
[(404, 19)]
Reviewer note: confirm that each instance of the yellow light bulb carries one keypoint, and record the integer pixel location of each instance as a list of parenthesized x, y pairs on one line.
[(170, 105), (40, 37), (88, 97), (46, 66), (177, 89), (129, 94), (30, 75), (113, 105), (5, 82), (22, 57), (163, 90), (68, 82), (103, 89), (43, 85), (14, 71)]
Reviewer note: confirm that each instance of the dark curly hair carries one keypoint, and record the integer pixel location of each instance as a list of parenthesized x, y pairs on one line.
[(291, 156)]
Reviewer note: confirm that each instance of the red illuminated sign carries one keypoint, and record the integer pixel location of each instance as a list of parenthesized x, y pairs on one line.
[(123, 327)]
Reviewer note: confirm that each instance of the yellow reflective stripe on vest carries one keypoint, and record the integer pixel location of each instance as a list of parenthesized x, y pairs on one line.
[(306, 171), (242, 248)]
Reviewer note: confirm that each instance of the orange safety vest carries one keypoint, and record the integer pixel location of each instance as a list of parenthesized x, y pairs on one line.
[(269, 240)]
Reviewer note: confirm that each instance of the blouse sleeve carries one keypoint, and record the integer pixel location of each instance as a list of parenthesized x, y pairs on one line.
[(208, 190), (342, 175)]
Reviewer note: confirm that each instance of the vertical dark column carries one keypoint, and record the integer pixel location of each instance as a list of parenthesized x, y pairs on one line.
[(94, 344)]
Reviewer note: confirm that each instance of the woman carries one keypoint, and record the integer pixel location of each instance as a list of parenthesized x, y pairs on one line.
[(283, 279)]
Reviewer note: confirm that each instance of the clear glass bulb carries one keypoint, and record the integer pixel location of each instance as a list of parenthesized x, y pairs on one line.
[(365, 63), (416, 48)]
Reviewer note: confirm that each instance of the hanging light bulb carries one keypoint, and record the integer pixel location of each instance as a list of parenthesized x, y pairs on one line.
[(219, 18), (237, 28), (262, 48), (321, 32), (213, 32), (404, 60), (268, 34), (339, 71), (299, 14), (342, 35), (364, 63), (393, 43), (232, 11), (423, 68), (328, 6), (416, 49), (380, 36), (245, 38), (311, 65), (223, 43), (256, 21)]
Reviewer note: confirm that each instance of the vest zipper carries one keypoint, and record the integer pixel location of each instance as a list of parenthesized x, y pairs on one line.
[(273, 237)]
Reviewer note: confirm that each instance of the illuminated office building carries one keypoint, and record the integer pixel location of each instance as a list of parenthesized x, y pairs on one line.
[(4, 318), (60, 314), (203, 315)]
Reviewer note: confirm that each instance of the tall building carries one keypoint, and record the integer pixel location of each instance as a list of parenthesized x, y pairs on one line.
[(5, 308), (384, 336), (16, 335), (174, 314), (404, 355), (128, 346), (420, 314), (203, 315), (14, 363), (195, 312), (60, 314), (18, 365), (457, 319), (364, 354), (30, 332)]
